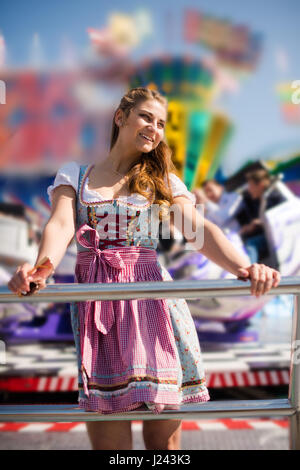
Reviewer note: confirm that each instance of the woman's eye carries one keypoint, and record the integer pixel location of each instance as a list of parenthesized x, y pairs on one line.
[(148, 117)]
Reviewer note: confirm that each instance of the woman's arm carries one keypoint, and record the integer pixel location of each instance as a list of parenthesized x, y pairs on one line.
[(210, 240), (57, 234), (220, 250), (60, 228)]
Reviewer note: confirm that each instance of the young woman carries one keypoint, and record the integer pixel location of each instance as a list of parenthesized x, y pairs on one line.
[(133, 353)]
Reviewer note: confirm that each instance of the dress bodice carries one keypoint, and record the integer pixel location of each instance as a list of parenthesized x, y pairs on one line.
[(124, 221), (118, 222)]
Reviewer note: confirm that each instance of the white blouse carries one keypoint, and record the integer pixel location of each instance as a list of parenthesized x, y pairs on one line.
[(68, 174)]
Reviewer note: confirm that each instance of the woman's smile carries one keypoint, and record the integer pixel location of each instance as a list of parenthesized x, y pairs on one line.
[(146, 138)]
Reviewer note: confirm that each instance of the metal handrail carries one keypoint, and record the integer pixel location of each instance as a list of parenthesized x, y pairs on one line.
[(168, 289), (147, 290), (207, 410)]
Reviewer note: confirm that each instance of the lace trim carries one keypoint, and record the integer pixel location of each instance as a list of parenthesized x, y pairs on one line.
[(107, 202)]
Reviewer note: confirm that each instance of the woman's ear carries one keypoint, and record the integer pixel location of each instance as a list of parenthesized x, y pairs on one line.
[(119, 118)]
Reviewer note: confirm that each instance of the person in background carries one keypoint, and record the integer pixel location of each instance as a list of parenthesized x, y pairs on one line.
[(220, 206), (247, 215)]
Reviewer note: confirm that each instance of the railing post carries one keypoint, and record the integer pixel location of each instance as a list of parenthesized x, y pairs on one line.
[(294, 387)]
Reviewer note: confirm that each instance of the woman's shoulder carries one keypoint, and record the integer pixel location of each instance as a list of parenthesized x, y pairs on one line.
[(67, 174), (179, 188), (69, 168), (174, 180)]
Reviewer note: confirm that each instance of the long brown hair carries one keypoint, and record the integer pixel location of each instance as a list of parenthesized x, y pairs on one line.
[(148, 176)]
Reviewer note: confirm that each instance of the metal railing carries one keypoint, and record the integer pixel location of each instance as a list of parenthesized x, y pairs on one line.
[(289, 407)]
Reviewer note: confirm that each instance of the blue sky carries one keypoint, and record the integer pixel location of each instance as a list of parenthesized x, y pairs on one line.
[(254, 110)]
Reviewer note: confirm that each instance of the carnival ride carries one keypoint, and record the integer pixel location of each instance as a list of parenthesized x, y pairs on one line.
[(282, 225)]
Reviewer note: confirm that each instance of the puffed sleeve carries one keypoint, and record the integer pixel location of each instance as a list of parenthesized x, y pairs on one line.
[(180, 189), (67, 174)]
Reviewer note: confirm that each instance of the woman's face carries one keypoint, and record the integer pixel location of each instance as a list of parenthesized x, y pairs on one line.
[(144, 128)]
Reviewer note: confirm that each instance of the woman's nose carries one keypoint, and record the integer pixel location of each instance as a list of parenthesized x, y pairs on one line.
[(152, 126)]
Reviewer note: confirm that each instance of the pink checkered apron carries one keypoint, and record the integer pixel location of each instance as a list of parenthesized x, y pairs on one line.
[(128, 348)]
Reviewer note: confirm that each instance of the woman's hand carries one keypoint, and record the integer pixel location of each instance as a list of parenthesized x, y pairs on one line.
[(25, 275), (21, 279), (263, 278)]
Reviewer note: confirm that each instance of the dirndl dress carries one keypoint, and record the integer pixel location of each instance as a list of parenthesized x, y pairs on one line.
[(130, 353)]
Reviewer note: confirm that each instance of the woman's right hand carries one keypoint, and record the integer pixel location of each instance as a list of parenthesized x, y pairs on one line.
[(20, 281), (26, 274)]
